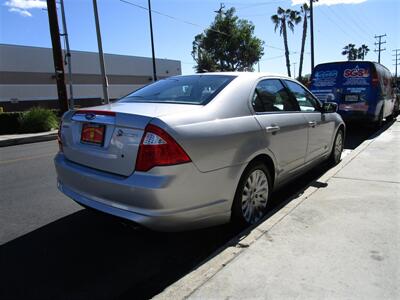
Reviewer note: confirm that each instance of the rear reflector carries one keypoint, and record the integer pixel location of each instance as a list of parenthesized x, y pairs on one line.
[(158, 148)]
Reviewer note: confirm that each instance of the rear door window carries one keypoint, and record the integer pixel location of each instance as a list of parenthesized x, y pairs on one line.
[(304, 98), (271, 96)]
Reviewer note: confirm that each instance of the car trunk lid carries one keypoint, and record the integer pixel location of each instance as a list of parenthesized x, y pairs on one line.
[(107, 137)]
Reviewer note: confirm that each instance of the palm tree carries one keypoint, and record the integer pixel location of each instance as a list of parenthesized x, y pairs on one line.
[(283, 19), (306, 14), (350, 51), (362, 51)]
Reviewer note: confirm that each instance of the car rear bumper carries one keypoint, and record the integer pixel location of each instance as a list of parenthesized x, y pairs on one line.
[(170, 198)]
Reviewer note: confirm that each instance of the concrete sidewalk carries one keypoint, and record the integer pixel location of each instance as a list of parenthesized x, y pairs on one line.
[(26, 138), (341, 241)]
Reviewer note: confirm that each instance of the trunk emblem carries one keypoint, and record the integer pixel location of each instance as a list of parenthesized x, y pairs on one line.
[(90, 116)]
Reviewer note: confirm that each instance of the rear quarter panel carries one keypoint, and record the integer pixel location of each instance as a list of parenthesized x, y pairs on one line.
[(223, 133)]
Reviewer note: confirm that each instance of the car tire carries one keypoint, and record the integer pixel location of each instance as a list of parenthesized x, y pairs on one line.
[(379, 123), (252, 195), (337, 148), (396, 109)]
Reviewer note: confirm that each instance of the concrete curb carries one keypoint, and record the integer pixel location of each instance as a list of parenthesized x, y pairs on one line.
[(43, 137), (187, 285)]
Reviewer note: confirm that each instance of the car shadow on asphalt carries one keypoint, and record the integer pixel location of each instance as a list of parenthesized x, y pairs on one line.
[(87, 255), (90, 256)]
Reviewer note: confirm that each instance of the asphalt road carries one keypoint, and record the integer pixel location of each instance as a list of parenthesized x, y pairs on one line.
[(51, 248)]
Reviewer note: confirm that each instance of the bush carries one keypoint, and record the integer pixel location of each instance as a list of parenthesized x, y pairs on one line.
[(38, 119), (9, 122)]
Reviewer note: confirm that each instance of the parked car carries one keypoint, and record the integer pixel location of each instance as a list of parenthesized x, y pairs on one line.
[(195, 151), (362, 89)]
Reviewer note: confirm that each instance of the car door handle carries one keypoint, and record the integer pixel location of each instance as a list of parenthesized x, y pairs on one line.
[(312, 123), (273, 128)]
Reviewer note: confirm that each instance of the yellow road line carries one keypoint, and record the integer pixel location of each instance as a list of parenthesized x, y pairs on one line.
[(26, 158)]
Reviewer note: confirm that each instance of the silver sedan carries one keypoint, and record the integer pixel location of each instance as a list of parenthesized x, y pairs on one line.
[(195, 151)]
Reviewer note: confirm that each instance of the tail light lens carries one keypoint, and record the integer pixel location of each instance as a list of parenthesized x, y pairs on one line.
[(60, 145), (158, 148), (375, 79)]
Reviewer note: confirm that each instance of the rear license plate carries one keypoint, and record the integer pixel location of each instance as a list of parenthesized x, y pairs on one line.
[(93, 134), (351, 98)]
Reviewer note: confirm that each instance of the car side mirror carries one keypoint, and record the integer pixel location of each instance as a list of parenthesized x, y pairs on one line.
[(329, 107)]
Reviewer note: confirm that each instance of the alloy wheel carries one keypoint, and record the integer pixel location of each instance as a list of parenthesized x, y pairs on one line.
[(255, 196)]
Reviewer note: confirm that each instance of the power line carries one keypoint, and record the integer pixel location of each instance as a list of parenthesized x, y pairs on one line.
[(272, 58), (379, 44), (188, 22), (245, 5), (171, 17), (353, 22), (361, 10), (336, 24), (273, 47)]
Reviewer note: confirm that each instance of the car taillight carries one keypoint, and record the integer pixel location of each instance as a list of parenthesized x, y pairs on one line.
[(375, 79), (158, 148), (60, 145)]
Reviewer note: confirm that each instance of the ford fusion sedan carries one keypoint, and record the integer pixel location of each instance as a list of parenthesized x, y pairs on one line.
[(195, 151)]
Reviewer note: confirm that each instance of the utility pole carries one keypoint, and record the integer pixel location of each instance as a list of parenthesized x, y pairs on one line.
[(152, 44), (57, 55), (312, 33), (396, 60), (258, 66), (68, 56), (101, 54), (379, 43)]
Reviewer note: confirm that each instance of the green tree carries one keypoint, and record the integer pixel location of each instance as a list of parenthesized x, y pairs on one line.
[(350, 51), (228, 44), (283, 19), (362, 51), (305, 10)]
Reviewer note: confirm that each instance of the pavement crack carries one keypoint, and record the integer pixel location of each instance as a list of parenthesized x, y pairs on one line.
[(368, 180)]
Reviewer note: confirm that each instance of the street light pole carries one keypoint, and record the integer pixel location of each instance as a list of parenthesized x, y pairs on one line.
[(312, 33), (65, 34), (152, 44), (57, 55), (101, 55)]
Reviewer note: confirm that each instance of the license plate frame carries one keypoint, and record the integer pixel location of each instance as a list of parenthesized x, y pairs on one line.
[(93, 134), (351, 98)]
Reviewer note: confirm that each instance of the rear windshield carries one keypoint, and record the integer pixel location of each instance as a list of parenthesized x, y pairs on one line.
[(192, 89), (349, 74), (329, 82)]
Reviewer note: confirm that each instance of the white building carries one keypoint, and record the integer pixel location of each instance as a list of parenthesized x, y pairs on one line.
[(27, 76)]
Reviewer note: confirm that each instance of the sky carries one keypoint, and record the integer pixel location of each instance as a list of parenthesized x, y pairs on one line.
[(125, 27)]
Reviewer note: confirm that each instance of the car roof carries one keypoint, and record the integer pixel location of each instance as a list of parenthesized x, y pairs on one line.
[(245, 74)]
